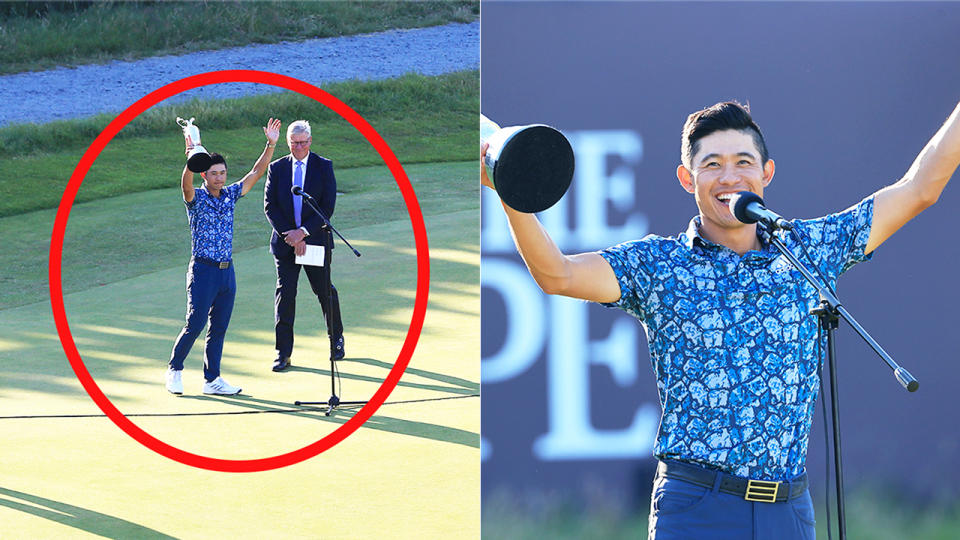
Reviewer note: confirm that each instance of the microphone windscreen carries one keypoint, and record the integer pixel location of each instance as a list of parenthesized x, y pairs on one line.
[(738, 205), (297, 190)]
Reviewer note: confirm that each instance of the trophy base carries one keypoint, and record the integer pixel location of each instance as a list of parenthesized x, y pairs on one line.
[(534, 169), (199, 160)]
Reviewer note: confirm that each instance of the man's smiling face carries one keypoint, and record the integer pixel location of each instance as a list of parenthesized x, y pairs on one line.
[(725, 162), (299, 144)]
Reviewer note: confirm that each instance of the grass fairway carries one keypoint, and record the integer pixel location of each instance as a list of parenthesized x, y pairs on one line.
[(412, 471)]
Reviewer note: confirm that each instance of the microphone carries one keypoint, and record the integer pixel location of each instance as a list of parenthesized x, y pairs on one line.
[(748, 207), (297, 190)]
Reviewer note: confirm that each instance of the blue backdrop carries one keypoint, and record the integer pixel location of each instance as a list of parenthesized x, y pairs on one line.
[(846, 94)]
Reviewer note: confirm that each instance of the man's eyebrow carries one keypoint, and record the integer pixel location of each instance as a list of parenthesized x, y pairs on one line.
[(716, 155), (709, 157)]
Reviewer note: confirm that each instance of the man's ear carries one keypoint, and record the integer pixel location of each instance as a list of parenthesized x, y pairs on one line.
[(768, 169), (685, 178)]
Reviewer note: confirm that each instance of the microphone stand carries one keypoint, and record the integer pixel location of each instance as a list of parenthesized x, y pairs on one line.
[(334, 401), (829, 311)]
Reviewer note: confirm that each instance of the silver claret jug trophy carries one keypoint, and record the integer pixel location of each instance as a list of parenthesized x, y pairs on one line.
[(198, 160)]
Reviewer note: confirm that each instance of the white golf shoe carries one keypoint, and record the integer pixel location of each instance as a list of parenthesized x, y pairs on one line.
[(220, 387), (174, 382)]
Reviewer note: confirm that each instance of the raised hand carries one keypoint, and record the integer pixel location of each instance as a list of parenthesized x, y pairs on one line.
[(272, 130)]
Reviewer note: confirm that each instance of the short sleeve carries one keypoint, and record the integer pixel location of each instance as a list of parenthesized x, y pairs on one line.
[(235, 190), (633, 268), (837, 242), (192, 204)]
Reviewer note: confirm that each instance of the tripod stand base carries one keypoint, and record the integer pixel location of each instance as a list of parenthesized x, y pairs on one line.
[(330, 404)]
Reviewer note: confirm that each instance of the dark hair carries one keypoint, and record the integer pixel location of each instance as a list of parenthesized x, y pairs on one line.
[(720, 117), (216, 158)]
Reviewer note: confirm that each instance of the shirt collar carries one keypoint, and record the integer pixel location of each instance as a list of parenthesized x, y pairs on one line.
[(693, 239), (209, 196)]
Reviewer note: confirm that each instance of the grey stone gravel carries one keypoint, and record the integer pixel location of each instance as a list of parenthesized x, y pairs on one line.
[(64, 93)]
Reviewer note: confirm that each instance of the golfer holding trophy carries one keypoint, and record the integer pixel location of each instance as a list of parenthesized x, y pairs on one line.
[(211, 283)]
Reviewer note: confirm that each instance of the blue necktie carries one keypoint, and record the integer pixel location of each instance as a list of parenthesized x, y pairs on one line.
[(297, 199)]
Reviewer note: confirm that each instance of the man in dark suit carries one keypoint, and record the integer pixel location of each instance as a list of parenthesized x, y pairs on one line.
[(295, 226)]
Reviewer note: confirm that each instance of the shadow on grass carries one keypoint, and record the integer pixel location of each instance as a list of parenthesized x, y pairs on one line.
[(463, 386), (76, 517), (383, 423), (468, 387)]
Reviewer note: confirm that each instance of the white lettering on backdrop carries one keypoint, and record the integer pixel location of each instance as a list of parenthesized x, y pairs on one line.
[(605, 180)]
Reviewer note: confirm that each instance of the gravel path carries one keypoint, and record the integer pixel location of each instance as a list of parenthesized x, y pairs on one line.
[(63, 93)]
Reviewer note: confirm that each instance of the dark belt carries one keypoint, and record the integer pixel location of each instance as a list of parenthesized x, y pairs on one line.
[(223, 265), (751, 490)]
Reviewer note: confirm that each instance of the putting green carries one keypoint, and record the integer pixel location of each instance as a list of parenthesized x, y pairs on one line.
[(413, 470)]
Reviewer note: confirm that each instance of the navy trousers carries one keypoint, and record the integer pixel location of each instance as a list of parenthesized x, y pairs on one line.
[(285, 306), (682, 510), (210, 295)]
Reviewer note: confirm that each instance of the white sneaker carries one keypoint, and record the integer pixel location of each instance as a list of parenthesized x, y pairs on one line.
[(174, 383), (220, 387)]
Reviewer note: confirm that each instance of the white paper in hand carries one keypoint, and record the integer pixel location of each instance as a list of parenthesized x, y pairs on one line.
[(313, 256)]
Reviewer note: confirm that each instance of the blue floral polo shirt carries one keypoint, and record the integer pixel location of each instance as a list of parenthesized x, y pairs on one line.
[(732, 343), (211, 222)]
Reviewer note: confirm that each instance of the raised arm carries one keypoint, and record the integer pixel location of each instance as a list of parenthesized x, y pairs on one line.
[(587, 276), (895, 205), (186, 179), (272, 132)]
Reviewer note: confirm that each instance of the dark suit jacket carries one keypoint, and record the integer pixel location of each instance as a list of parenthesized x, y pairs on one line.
[(278, 202)]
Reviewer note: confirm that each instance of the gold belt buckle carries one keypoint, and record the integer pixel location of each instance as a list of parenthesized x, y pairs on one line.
[(762, 491), (224, 265)]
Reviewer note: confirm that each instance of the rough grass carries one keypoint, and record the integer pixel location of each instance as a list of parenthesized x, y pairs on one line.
[(423, 119), (33, 38)]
